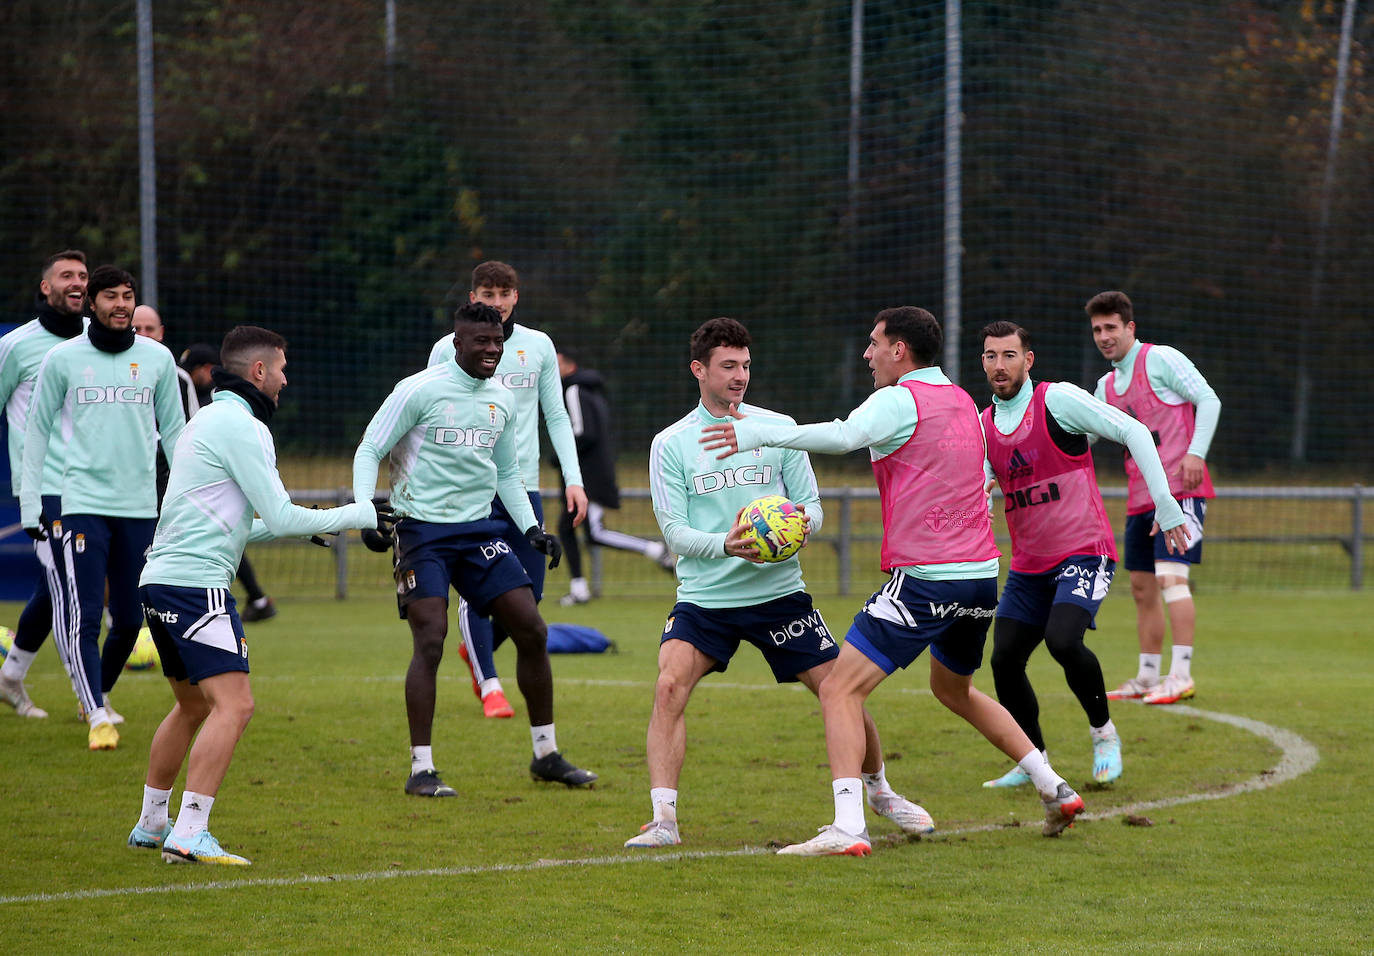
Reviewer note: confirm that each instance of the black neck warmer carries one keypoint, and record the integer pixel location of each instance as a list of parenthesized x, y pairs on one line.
[(109, 340), (58, 323), (260, 404)]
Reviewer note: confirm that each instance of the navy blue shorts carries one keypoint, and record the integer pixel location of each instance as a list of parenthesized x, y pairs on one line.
[(471, 557), (1141, 551), (908, 615), (534, 562), (1081, 580), (197, 631), (788, 630)]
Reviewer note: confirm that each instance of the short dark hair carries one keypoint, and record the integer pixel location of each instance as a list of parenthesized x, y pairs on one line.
[(495, 274), (718, 333), (1001, 329), (917, 328), (477, 312), (243, 343), (108, 277), (568, 351), (55, 258), (1110, 303)]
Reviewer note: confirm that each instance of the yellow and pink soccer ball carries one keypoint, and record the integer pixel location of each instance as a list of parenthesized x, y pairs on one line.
[(144, 655), (776, 525), (6, 642)]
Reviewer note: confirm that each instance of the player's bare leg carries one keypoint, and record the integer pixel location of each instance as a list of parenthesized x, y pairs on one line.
[(171, 742), (842, 694), (881, 798), (518, 615), (428, 620), (873, 746), (1182, 613), (992, 720), (173, 737), (230, 698), (988, 717), (681, 666), (231, 707), (1149, 622), (1178, 602), (1149, 611)]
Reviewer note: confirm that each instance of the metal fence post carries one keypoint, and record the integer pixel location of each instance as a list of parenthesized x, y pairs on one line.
[(594, 558), (1357, 539), (340, 550), (844, 544)]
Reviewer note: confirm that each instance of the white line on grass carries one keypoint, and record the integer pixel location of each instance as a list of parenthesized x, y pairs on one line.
[(1298, 758)]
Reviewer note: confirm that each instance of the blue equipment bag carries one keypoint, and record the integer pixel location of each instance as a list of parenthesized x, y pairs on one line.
[(577, 639)]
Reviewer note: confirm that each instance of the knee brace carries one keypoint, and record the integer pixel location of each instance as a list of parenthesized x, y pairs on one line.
[(1173, 569)]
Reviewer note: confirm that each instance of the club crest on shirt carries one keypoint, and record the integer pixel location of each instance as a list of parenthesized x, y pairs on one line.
[(133, 371), (520, 354), (491, 410)]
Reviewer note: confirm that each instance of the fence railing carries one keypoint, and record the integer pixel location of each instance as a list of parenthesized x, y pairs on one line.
[(841, 531)]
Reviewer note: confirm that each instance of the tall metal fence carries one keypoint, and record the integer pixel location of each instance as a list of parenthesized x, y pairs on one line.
[(1248, 539), (334, 171)]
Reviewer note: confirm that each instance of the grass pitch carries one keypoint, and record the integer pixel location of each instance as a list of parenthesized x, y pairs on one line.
[(345, 862)]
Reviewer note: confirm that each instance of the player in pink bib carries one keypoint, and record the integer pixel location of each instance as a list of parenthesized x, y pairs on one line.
[(1158, 386), (1063, 553), (926, 445)]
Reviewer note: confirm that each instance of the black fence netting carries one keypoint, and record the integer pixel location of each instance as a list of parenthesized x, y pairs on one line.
[(647, 165)]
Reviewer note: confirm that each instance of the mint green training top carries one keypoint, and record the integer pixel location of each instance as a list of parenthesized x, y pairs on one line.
[(529, 368), (108, 408), (696, 498), (453, 441), (22, 351), (1081, 414), (1175, 380), (224, 468)]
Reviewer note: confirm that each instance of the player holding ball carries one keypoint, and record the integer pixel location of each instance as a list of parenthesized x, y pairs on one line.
[(727, 592)]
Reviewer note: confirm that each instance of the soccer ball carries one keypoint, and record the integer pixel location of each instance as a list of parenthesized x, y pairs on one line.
[(776, 525), (6, 641), (144, 655)]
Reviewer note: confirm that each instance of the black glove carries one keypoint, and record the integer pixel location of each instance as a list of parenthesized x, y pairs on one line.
[(380, 539), (545, 543), (386, 518), (375, 540), (39, 533)]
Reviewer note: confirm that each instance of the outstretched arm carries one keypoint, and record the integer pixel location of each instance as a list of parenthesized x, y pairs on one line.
[(1083, 414), (252, 464), (878, 420), (394, 419)]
